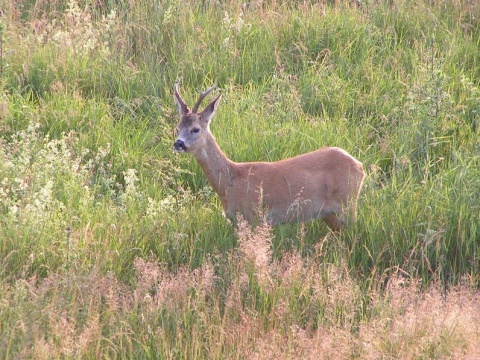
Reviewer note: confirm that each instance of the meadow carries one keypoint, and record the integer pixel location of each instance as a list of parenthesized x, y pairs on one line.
[(113, 246)]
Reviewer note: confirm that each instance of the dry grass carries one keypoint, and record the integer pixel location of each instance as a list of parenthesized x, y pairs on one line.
[(314, 311)]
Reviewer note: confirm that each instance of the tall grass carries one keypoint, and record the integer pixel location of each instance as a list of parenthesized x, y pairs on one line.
[(111, 246)]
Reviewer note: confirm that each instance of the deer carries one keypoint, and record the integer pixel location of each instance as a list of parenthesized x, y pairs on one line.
[(322, 184)]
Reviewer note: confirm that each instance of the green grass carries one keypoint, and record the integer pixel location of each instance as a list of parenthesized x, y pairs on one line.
[(112, 246)]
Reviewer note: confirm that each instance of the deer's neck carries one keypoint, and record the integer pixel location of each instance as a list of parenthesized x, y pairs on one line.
[(215, 165)]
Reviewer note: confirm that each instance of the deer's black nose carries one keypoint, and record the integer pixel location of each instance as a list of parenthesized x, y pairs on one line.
[(179, 145)]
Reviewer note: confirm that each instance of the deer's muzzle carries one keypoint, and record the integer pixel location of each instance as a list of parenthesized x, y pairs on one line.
[(179, 146)]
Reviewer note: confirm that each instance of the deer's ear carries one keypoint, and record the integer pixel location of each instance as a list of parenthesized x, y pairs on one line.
[(182, 107), (210, 109)]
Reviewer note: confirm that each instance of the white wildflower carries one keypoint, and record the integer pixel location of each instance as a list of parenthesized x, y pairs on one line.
[(130, 177)]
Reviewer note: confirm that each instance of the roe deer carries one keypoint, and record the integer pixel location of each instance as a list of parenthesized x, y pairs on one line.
[(321, 184)]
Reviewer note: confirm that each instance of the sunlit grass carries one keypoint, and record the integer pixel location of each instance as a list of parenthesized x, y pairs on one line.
[(112, 246)]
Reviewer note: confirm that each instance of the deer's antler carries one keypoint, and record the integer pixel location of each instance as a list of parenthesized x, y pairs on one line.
[(182, 102), (202, 96)]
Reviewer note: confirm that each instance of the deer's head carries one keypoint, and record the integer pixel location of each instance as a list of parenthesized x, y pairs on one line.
[(193, 126)]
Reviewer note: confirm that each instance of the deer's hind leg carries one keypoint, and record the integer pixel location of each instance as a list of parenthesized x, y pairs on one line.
[(334, 222)]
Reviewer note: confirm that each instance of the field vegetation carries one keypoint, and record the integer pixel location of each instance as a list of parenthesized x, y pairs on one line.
[(112, 246)]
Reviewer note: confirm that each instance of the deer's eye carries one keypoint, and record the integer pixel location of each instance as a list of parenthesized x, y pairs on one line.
[(195, 130)]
